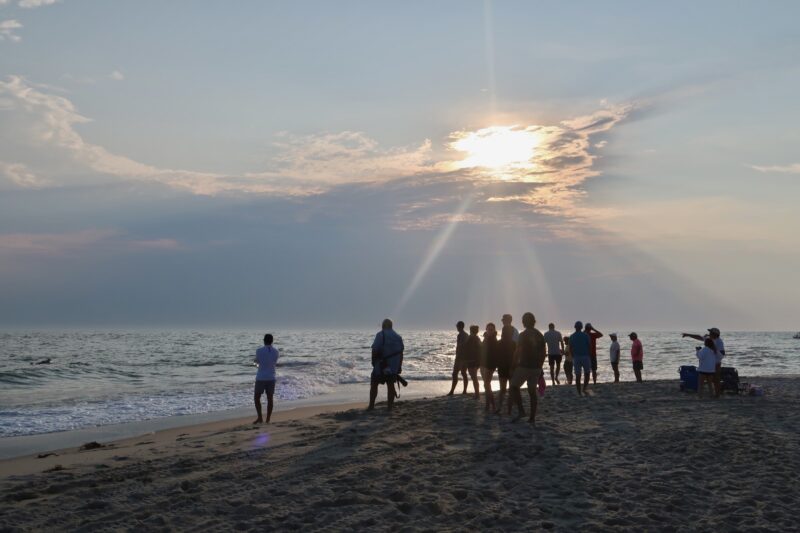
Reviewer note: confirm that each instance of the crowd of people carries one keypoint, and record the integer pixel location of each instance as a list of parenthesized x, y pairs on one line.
[(517, 357)]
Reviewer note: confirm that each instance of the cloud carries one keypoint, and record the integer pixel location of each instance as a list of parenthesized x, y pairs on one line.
[(7, 29), (51, 243), (117, 76), (541, 186), (31, 4), (22, 176), (786, 169)]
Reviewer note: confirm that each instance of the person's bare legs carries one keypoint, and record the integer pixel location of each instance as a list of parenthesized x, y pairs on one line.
[(616, 372), (487, 390), (552, 372), (269, 405), (515, 396), (473, 373), (390, 394), (257, 399), (717, 383), (502, 394), (558, 371), (638, 374), (455, 381), (373, 393), (466, 379), (594, 371), (534, 404), (585, 381)]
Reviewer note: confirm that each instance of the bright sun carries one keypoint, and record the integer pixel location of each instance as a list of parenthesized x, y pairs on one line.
[(497, 148)]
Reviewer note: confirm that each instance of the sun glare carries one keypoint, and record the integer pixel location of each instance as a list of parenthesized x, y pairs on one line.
[(497, 148)]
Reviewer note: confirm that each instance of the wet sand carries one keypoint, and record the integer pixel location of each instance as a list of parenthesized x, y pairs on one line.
[(629, 456)]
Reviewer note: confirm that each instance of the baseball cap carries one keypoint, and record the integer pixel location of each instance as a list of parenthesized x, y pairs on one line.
[(613, 335), (632, 335), (715, 331)]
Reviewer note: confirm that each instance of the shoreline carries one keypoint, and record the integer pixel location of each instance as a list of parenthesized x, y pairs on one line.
[(629, 456)]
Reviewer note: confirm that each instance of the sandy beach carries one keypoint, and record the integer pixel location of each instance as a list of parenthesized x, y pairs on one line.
[(630, 456)]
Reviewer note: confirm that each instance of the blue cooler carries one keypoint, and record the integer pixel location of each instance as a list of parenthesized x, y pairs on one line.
[(688, 378)]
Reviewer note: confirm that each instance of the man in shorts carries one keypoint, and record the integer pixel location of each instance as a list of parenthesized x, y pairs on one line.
[(613, 354), (266, 359), (555, 349), (593, 336), (460, 364), (530, 356), (637, 356), (580, 347)]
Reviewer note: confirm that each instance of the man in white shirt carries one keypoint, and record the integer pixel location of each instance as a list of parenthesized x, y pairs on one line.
[(555, 348), (613, 353), (266, 359)]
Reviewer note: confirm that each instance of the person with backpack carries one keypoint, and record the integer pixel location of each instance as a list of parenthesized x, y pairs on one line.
[(387, 363)]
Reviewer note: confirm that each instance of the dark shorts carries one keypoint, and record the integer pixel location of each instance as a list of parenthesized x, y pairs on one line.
[(615, 365), (554, 358), (504, 372), (568, 367), (265, 386), (594, 363), (707, 373), (638, 365)]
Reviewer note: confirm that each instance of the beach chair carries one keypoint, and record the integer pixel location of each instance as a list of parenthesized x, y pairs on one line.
[(688, 378)]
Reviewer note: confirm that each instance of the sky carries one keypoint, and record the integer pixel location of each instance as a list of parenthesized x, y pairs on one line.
[(328, 164)]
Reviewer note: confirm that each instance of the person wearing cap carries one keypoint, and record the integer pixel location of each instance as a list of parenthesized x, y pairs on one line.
[(593, 336), (637, 355), (580, 346), (506, 320), (714, 335), (613, 353)]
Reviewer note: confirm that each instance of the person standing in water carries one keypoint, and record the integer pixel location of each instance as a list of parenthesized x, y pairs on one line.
[(580, 347), (459, 365), (489, 363), (387, 358), (613, 353), (266, 359)]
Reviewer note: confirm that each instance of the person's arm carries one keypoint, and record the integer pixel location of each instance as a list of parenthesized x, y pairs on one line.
[(692, 336), (596, 334), (561, 343)]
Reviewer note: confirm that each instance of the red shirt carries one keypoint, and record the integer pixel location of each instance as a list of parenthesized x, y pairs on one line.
[(593, 336), (637, 351)]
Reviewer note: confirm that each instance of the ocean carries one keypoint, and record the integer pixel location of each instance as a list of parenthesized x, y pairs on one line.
[(97, 378)]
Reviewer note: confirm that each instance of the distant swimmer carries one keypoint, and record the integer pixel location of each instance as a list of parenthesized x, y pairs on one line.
[(266, 358), (43, 362), (460, 364), (387, 361)]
